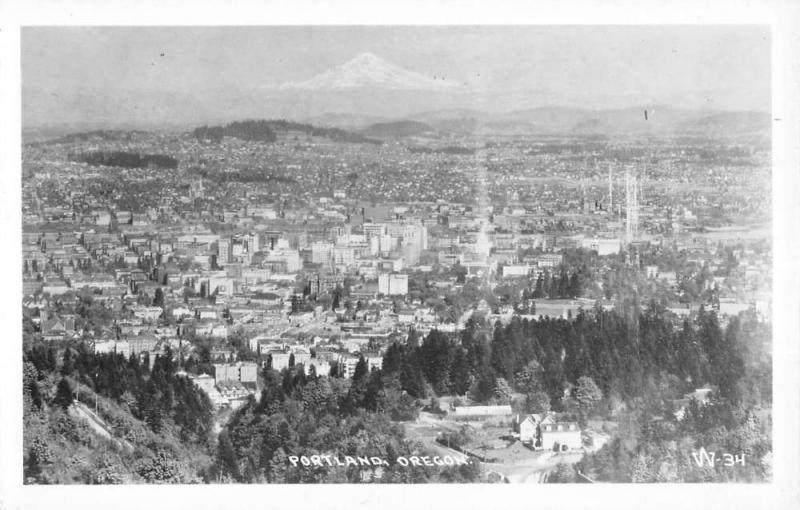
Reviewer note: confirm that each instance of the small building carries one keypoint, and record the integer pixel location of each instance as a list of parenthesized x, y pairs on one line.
[(548, 433), (321, 367), (701, 395), (482, 412)]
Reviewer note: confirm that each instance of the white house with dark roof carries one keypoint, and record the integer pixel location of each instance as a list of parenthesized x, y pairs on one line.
[(548, 433), (560, 435)]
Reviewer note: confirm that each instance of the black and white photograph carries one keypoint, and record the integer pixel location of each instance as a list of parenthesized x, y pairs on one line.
[(398, 254)]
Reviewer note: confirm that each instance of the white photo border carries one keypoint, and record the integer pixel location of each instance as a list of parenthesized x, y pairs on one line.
[(780, 16)]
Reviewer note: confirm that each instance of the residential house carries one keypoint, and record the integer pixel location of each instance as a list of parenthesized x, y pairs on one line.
[(559, 435)]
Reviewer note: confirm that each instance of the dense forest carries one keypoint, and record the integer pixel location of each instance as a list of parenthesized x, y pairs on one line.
[(125, 159), (334, 134), (251, 130), (398, 128), (265, 131), (629, 357)]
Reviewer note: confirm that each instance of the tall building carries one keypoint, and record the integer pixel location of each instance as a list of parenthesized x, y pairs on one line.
[(631, 207), (387, 243), (223, 252), (393, 284), (322, 253), (415, 240), (373, 229), (343, 255), (253, 242), (196, 189), (290, 257)]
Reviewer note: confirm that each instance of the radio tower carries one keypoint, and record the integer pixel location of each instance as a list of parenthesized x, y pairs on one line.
[(631, 207), (610, 193)]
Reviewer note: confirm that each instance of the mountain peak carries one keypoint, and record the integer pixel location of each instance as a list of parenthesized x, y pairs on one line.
[(368, 70), (367, 58)]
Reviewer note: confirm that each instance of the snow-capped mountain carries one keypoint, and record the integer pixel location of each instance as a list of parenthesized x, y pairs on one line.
[(371, 71)]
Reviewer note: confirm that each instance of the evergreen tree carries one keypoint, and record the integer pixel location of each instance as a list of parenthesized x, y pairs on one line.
[(537, 402), (393, 359), (300, 378), (459, 372), (529, 379), (158, 300), (411, 378), (588, 395), (502, 354), (574, 288), (361, 371), (502, 391), (538, 292), (64, 396), (435, 356), (483, 386), (69, 364)]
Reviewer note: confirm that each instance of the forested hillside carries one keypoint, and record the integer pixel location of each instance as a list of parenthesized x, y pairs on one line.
[(627, 368), (267, 131), (160, 423)]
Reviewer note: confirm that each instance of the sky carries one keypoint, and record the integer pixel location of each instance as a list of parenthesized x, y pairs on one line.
[(718, 67)]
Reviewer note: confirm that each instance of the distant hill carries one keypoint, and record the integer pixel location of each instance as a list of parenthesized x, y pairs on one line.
[(461, 125), (348, 121), (96, 135), (433, 116), (267, 131), (400, 128), (250, 130), (99, 135), (661, 121), (546, 119), (731, 123)]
